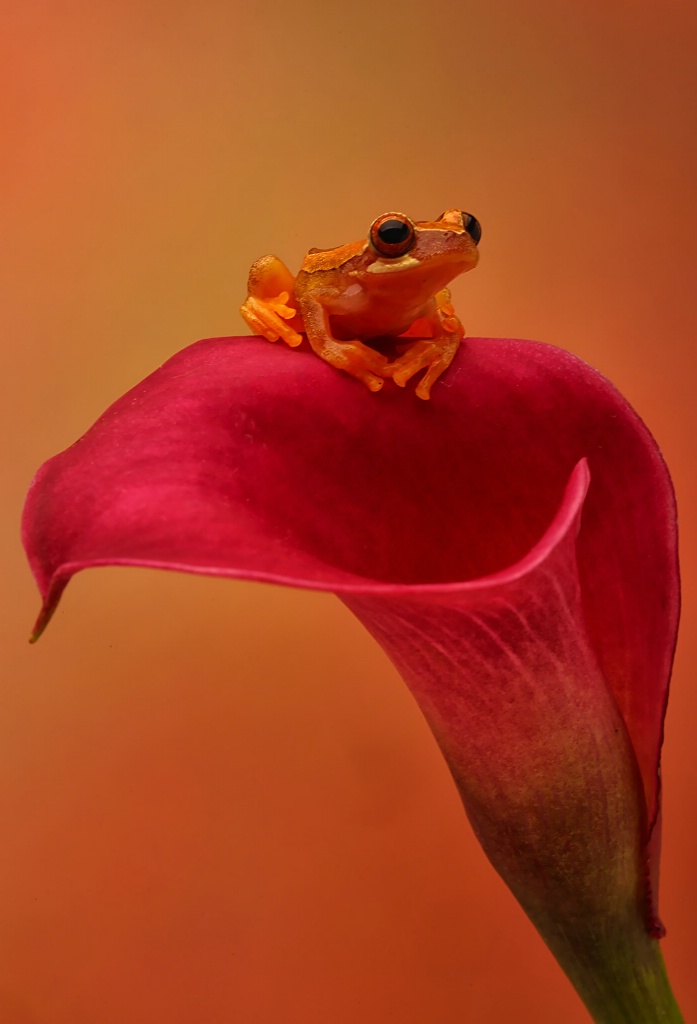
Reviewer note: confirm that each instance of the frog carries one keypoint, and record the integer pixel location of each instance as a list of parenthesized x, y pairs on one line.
[(391, 286)]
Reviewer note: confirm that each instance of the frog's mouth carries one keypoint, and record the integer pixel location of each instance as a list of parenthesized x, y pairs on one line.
[(403, 264), (386, 266)]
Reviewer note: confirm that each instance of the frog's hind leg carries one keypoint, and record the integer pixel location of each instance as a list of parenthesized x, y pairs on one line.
[(269, 276), (361, 361), (435, 354), (266, 310)]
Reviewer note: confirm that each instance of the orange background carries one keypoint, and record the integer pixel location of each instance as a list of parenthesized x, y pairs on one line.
[(218, 801)]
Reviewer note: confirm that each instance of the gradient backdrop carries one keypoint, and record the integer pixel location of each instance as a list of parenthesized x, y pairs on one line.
[(218, 801)]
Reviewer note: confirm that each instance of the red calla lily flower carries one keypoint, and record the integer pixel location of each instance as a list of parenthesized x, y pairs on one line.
[(511, 545)]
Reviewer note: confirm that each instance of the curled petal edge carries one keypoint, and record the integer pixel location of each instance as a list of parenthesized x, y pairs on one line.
[(507, 679)]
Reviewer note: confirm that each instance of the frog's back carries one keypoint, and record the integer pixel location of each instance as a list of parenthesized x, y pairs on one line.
[(318, 260)]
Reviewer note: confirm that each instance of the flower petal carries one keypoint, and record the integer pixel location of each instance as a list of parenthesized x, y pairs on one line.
[(505, 673), (241, 458)]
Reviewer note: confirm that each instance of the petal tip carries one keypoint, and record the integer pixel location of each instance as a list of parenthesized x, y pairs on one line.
[(51, 599), (42, 621)]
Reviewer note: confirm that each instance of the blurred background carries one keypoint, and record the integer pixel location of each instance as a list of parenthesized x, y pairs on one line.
[(218, 800)]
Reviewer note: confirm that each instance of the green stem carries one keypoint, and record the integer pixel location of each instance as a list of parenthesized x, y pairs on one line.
[(627, 985)]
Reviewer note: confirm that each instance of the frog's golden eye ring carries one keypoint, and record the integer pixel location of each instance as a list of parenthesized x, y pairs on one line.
[(392, 235), (472, 227)]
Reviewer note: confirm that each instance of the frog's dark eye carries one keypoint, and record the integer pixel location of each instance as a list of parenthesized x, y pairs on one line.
[(392, 235), (472, 227)]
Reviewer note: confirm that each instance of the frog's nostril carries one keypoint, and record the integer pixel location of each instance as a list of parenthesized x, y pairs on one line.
[(472, 227)]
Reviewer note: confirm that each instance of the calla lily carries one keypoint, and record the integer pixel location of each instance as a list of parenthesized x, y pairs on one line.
[(511, 544)]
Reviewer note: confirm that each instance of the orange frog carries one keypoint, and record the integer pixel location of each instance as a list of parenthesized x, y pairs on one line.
[(379, 288)]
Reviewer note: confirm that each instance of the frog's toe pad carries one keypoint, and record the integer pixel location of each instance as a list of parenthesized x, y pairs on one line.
[(372, 382)]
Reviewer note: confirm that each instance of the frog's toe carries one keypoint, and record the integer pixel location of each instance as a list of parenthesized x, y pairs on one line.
[(401, 375), (362, 362), (376, 362), (357, 359), (372, 382), (280, 307), (291, 337), (417, 356), (256, 324), (268, 318), (425, 354)]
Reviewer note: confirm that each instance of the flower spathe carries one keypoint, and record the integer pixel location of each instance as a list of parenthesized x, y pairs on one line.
[(511, 545)]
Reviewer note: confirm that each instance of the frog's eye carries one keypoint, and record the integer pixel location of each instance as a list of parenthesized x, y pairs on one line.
[(392, 235), (472, 227)]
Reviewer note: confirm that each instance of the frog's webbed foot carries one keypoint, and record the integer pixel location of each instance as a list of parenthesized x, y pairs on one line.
[(361, 361), (435, 354), (268, 316)]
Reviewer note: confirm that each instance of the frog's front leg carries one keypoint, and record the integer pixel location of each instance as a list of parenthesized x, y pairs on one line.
[(266, 310), (361, 361), (436, 353)]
